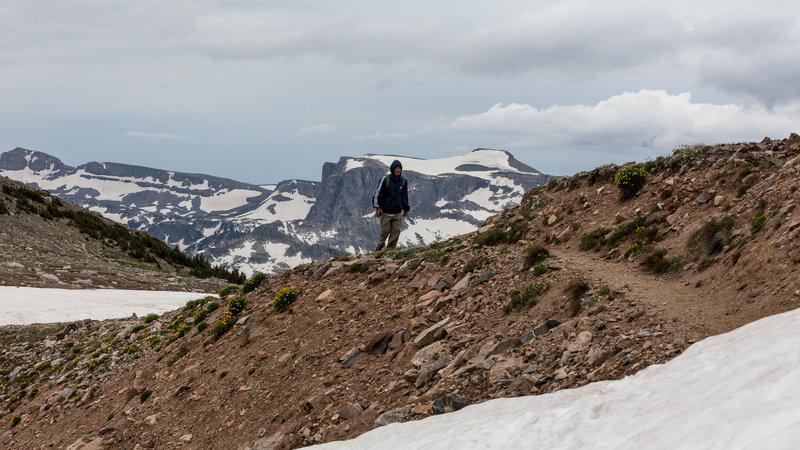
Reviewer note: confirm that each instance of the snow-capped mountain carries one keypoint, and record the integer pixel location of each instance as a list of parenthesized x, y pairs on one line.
[(269, 227)]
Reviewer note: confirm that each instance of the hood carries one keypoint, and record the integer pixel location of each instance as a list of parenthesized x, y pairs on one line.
[(395, 163)]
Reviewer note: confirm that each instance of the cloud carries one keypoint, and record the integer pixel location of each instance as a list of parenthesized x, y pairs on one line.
[(145, 135), (321, 128), (638, 124), (380, 136)]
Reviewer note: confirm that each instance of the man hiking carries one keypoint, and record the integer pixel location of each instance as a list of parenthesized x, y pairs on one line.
[(390, 201)]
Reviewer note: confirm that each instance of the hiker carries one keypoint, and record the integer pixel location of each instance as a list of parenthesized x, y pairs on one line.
[(390, 201)]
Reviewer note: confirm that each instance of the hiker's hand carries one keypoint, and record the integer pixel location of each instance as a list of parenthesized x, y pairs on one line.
[(405, 213), (378, 212)]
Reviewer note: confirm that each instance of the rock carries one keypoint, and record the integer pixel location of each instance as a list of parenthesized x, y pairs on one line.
[(277, 441), (67, 330), (462, 284), (394, 416), (523, 384), (718, 200), (429, 369), (755, 293), (450, 403), (350, 411), (704, 197), (151, 420), (378, 344), (486, 276), (321, 271), (422, 408), (350, 358), (432, 333), (49, 277), (326, 296), (503, 365), (185, 438), (375, 278), (411, 375), (527, 337), (429, 353), (619, 218), (580, 342), (560, 375), (552, 323), (428, 298), (14, 373), (540, 330), (552, 219), (565, 235)]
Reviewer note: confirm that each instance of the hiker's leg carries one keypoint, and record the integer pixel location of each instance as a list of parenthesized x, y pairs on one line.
[(394, 234), (385, 229)]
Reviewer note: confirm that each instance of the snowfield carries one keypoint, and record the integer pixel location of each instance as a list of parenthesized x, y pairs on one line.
[(738, 390), (27, 305)]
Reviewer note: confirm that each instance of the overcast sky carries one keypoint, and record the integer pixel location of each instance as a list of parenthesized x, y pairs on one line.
[(262, 91)]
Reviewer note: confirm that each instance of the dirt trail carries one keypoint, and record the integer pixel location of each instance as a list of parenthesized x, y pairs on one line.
[(694, 310)]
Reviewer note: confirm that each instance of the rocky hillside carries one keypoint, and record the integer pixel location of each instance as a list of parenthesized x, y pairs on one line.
[(47, 242), (582, 282), (266, 228)]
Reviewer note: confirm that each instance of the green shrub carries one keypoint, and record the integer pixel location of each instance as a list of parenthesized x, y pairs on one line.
[(200, 315), (150, 317), (284, 297), (15, 419), (655, 261), (758, 222), (253, 282), (137, 329), (629, 180), (357, 267), (491, 238), (634, 249), (704, 239), (594, 240), (575, 290), (212, 306), (539, 269), (182, 351), (145, 395), (202, 326), (227, 290), (223, 324), (742, 190), (534, 255)]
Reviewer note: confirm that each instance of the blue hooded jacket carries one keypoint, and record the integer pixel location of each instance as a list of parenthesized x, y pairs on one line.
[(391, 194)]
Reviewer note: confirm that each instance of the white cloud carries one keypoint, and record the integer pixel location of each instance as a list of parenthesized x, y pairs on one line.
[(647, 118), (322, 128), (145, 135)]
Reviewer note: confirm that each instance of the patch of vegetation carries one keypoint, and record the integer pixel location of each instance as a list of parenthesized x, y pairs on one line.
[(224, 323), (594, 240), (742, 190), (475, 263), (284, 297), (145, 395), (629, 180), (539, 269), (202, 326), (227, 290), (634, 249), (150, 318), (357, 268), (575, 290), (758, 222), (526, 298), (182, 351), (15, 419), (627, 229), (535, 255), (655, 261), (253, 282), (504, 232), (712, 236)]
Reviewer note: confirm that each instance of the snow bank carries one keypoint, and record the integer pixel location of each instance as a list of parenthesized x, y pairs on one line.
[(26, 305)]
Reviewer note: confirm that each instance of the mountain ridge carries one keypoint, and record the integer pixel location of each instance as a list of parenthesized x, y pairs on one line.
[(269, 227)]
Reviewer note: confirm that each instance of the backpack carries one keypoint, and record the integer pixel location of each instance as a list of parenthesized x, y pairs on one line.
[(387, 180)]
